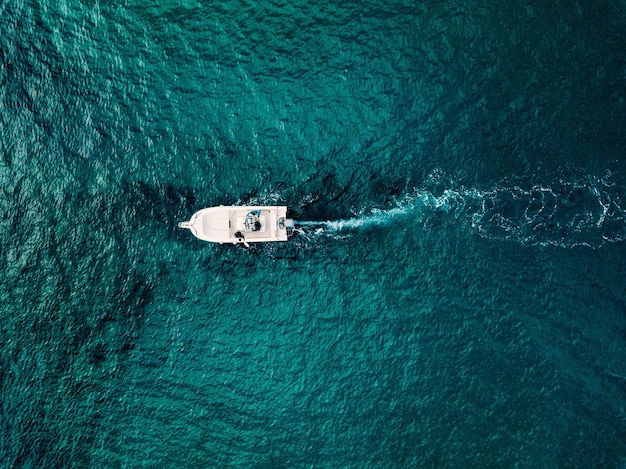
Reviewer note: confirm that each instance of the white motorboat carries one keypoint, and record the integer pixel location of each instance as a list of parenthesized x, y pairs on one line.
[(240, 224)]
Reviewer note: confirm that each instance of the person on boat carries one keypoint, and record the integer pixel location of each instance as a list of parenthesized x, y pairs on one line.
[(252, 222)]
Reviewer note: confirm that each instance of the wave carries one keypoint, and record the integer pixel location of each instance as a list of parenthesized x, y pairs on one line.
[(588, 212)]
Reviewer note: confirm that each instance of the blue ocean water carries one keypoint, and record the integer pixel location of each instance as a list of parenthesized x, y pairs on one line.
[(454, 294)]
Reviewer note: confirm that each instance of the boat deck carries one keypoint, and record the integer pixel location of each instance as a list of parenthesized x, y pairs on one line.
[(269, 226)]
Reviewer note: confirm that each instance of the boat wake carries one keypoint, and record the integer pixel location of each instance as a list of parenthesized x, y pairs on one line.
[(588, 213), (377, 217)]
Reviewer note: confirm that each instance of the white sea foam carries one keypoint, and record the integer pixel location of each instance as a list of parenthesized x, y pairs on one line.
[(566, 214)]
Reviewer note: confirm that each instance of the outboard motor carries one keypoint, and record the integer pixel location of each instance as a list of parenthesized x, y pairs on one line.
[(286, 223)]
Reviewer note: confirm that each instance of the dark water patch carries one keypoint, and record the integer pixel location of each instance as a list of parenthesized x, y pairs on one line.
[(74, 293), (163, 205), (507, 102)]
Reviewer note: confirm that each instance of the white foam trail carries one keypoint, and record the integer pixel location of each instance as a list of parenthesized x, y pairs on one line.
[(376, 218), (589, 213), (419, 202)]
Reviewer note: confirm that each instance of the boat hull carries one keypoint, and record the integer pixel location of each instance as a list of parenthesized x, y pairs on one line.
[(240, 224)]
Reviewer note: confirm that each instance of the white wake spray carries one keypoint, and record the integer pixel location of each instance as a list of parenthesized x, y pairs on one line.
[(567, 214)]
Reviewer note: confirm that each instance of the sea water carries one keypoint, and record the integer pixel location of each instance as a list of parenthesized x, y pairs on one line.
[(453, 294)]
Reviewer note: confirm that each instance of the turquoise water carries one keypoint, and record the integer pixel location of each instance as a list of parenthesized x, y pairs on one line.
[(454, 294)]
